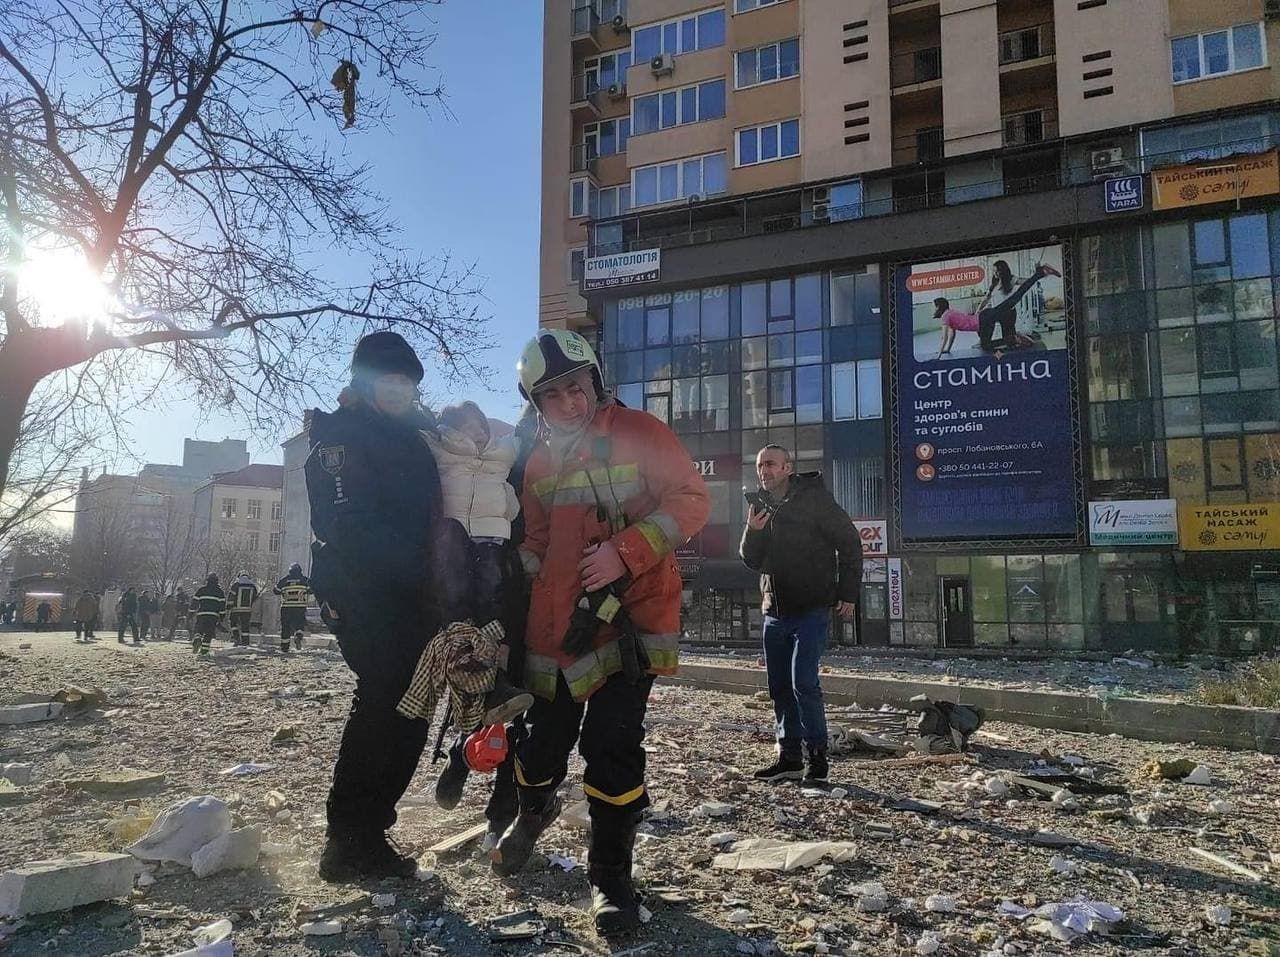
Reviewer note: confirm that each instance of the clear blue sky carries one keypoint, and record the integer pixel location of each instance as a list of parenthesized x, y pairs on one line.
[(468, 183)]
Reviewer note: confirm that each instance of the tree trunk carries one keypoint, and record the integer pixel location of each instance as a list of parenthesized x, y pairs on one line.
[(16, 386)]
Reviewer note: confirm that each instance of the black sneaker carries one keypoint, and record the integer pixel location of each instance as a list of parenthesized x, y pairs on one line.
[(452, 778), (789, 766), (816, 770), (517, 844)]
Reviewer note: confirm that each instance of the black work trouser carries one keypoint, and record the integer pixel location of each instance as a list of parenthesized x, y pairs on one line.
[(293, 619), (145, 626), (127, 619), (380, 748), (609, 731)]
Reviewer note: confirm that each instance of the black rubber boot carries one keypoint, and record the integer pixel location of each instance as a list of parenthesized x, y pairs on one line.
[(383, 859), (341, 859), (347, 858), (816, 768), (505, 702), (452, 778), (536, 814), (614, 907), (789, 765)]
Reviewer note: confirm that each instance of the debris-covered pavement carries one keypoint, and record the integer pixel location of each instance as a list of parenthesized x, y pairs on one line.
[(1034, 842), (1130, 675)]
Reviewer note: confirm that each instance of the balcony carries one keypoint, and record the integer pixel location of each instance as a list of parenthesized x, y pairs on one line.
[(583, 158), (585, 95), (916, 68), (921, 146), (589, 22), (1029, 127), (1026, 45)]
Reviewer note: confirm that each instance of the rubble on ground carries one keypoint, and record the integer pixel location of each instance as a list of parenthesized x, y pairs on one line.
[(1026, 840)]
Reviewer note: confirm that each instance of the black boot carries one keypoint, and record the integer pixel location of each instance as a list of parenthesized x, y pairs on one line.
[(536, 814), (341, 859), (816, 769), (452, 778), (505, 702), (614, 907), (350, 857), (789, 765)]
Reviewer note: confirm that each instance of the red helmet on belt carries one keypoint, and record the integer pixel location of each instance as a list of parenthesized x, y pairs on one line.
[(486, 748)]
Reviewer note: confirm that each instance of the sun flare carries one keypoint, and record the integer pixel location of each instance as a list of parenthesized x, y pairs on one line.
[(61, 287)]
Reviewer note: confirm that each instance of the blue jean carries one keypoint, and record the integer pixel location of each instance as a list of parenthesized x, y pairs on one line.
[(793, 646)]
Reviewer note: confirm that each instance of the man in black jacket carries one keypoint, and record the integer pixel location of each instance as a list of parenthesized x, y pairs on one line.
[(128, 615), (376, 508), (207, 607), (810, 558)]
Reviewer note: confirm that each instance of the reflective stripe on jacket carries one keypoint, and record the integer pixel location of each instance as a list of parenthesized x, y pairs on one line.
[(629, 472)]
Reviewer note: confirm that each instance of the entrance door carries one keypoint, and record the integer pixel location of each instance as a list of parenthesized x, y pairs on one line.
[(957, 613), (873, 628)]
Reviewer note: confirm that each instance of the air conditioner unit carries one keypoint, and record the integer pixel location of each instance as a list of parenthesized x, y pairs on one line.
[(694, 198), (1271, 9), (822, 212), (620, 24), (820, 194), (1107, 162), (617, 91), (663, 64)]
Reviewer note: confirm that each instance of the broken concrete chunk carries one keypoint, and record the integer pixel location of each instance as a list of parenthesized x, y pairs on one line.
[(83, 878), (182, 829), (16, 773), (321, 928), (124, 781), (12, 795), (232, 851), (28, 713)]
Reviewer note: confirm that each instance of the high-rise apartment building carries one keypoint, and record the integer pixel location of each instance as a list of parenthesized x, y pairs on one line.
[(1005, 270)]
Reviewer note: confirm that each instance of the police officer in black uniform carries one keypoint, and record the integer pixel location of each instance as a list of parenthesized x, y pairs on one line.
[(375, 508)]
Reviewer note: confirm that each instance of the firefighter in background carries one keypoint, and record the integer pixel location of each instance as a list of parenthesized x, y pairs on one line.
[(295, 594), (609, 494), (244, 592), (207, 608)]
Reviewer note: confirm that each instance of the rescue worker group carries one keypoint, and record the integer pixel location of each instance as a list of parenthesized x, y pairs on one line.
[(516, 589)]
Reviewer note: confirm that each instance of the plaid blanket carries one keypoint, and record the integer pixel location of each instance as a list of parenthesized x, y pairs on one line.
[(461, 661)]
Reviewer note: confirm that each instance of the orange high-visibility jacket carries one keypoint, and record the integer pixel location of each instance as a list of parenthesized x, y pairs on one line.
[(630, 473)]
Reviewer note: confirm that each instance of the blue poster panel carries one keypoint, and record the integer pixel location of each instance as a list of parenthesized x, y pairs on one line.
[(985, 433)]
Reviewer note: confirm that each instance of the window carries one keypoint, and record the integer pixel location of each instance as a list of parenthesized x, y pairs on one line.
[(277, 511), (1205, 55), (855, 298), (605, 71), (742, 6), (775, 61), (690, 104), (607, 137), (764, 144), (612, 201), (684, 35), (252, 542), (582, 198), (228, 508), (273, 542), (668, 182), (1216, 138), (255, 510), (856, 391)]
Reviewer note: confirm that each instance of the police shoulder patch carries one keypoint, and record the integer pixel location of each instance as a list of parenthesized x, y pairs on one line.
[(332, 458)]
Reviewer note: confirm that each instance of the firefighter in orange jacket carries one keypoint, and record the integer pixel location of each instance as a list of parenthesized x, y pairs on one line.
[(609, 493)]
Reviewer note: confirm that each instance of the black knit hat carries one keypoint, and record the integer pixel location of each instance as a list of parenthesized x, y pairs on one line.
[(383, 352)]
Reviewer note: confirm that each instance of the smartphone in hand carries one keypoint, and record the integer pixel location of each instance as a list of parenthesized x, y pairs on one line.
[(758, 501)]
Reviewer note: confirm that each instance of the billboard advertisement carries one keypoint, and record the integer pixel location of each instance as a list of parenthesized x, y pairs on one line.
[(986, 440), (621, 269), (1140, 522)]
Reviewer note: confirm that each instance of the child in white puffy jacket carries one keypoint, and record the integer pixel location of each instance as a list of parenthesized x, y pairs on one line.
[(473, 460)]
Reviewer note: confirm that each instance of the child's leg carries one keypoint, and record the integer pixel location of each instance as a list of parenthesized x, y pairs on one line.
[(488, 583), (452, 571)]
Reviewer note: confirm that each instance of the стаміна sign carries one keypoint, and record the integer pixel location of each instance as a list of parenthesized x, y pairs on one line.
[(1123, 194), (985, 440), (1137, 522), (621, 269), (1215, 181), (1221, 528)]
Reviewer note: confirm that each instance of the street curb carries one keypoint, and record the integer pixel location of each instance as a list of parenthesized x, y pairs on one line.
[(1223, 726)]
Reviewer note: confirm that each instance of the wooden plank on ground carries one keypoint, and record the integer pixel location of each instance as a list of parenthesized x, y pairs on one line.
[(458, 840)]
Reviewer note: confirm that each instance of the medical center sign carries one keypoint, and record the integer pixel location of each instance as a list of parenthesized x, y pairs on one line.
[(984, 439), (622, 269)]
